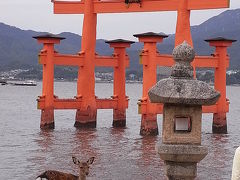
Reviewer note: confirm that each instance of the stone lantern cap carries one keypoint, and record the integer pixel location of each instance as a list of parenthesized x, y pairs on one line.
[(181, 87)]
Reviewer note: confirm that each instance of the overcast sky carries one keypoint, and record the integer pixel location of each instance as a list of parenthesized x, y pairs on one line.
[(38, 15)]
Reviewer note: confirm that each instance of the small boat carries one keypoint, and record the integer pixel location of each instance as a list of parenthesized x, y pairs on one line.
[(3, 82), (25, 83)]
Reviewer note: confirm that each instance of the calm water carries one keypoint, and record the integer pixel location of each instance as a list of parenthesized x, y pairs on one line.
[(26, 151)]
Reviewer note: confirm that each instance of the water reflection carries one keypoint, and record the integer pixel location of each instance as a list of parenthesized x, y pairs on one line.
[(218, 159), (150, 159), (45, 140), (82, 143)]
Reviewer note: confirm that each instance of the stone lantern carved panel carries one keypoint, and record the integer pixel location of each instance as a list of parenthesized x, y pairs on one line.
[(170, 135)]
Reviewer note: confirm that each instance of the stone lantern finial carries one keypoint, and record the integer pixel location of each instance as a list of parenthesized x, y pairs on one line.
[(183, 55)]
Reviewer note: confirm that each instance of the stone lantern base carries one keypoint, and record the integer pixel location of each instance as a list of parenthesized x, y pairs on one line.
[(181, 160)]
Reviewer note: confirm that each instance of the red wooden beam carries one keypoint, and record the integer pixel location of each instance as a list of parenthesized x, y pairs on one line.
[(118, 6), (106, 103), (61, 103), (77, 103), (199, 61), (68, 60), (208, 4), (68, 7), (106, 61), (63, 60), (206, 61), (142, 108), (164, 60), (146, 6)]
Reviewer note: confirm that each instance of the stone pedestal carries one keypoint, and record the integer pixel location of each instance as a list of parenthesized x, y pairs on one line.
[(181, 160)]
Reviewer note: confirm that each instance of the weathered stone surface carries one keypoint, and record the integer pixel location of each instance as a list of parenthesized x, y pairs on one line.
[(183, 52), (183, 56), (181, 160), (182, 153), (180, 171), (183, 91), (181, 87), (169, 136)]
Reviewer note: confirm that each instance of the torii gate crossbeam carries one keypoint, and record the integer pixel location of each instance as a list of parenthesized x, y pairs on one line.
[(118, 6)]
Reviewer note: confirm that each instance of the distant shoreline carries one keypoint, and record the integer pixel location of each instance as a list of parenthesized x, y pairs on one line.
[(100, 82)]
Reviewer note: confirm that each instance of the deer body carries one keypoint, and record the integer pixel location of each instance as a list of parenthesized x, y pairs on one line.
[(53, 175), (57, 175)]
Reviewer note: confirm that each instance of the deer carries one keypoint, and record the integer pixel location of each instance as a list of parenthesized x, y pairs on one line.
[(57, 175)]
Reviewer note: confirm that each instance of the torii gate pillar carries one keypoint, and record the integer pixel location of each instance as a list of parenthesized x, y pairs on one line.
[(47, 114), (219, 124), (183, 28), (86, 117), (119, 90), (149, 117)]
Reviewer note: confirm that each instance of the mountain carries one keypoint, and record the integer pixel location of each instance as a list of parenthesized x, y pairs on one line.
[(18, 48), (227, 24)]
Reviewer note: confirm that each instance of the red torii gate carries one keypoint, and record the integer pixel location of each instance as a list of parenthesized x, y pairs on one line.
[(150, 58), (86, 115), (87, 111)]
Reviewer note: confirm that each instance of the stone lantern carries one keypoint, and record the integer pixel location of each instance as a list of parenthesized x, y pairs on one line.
[(183, 97)]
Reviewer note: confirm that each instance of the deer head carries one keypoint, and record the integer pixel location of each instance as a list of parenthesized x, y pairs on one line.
[(83, 166)]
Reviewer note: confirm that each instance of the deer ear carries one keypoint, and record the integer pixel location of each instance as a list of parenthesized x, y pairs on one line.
[(75, 161), (90, 161)]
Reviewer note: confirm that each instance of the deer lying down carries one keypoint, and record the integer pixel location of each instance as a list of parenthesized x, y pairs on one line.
[(57, 175)]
